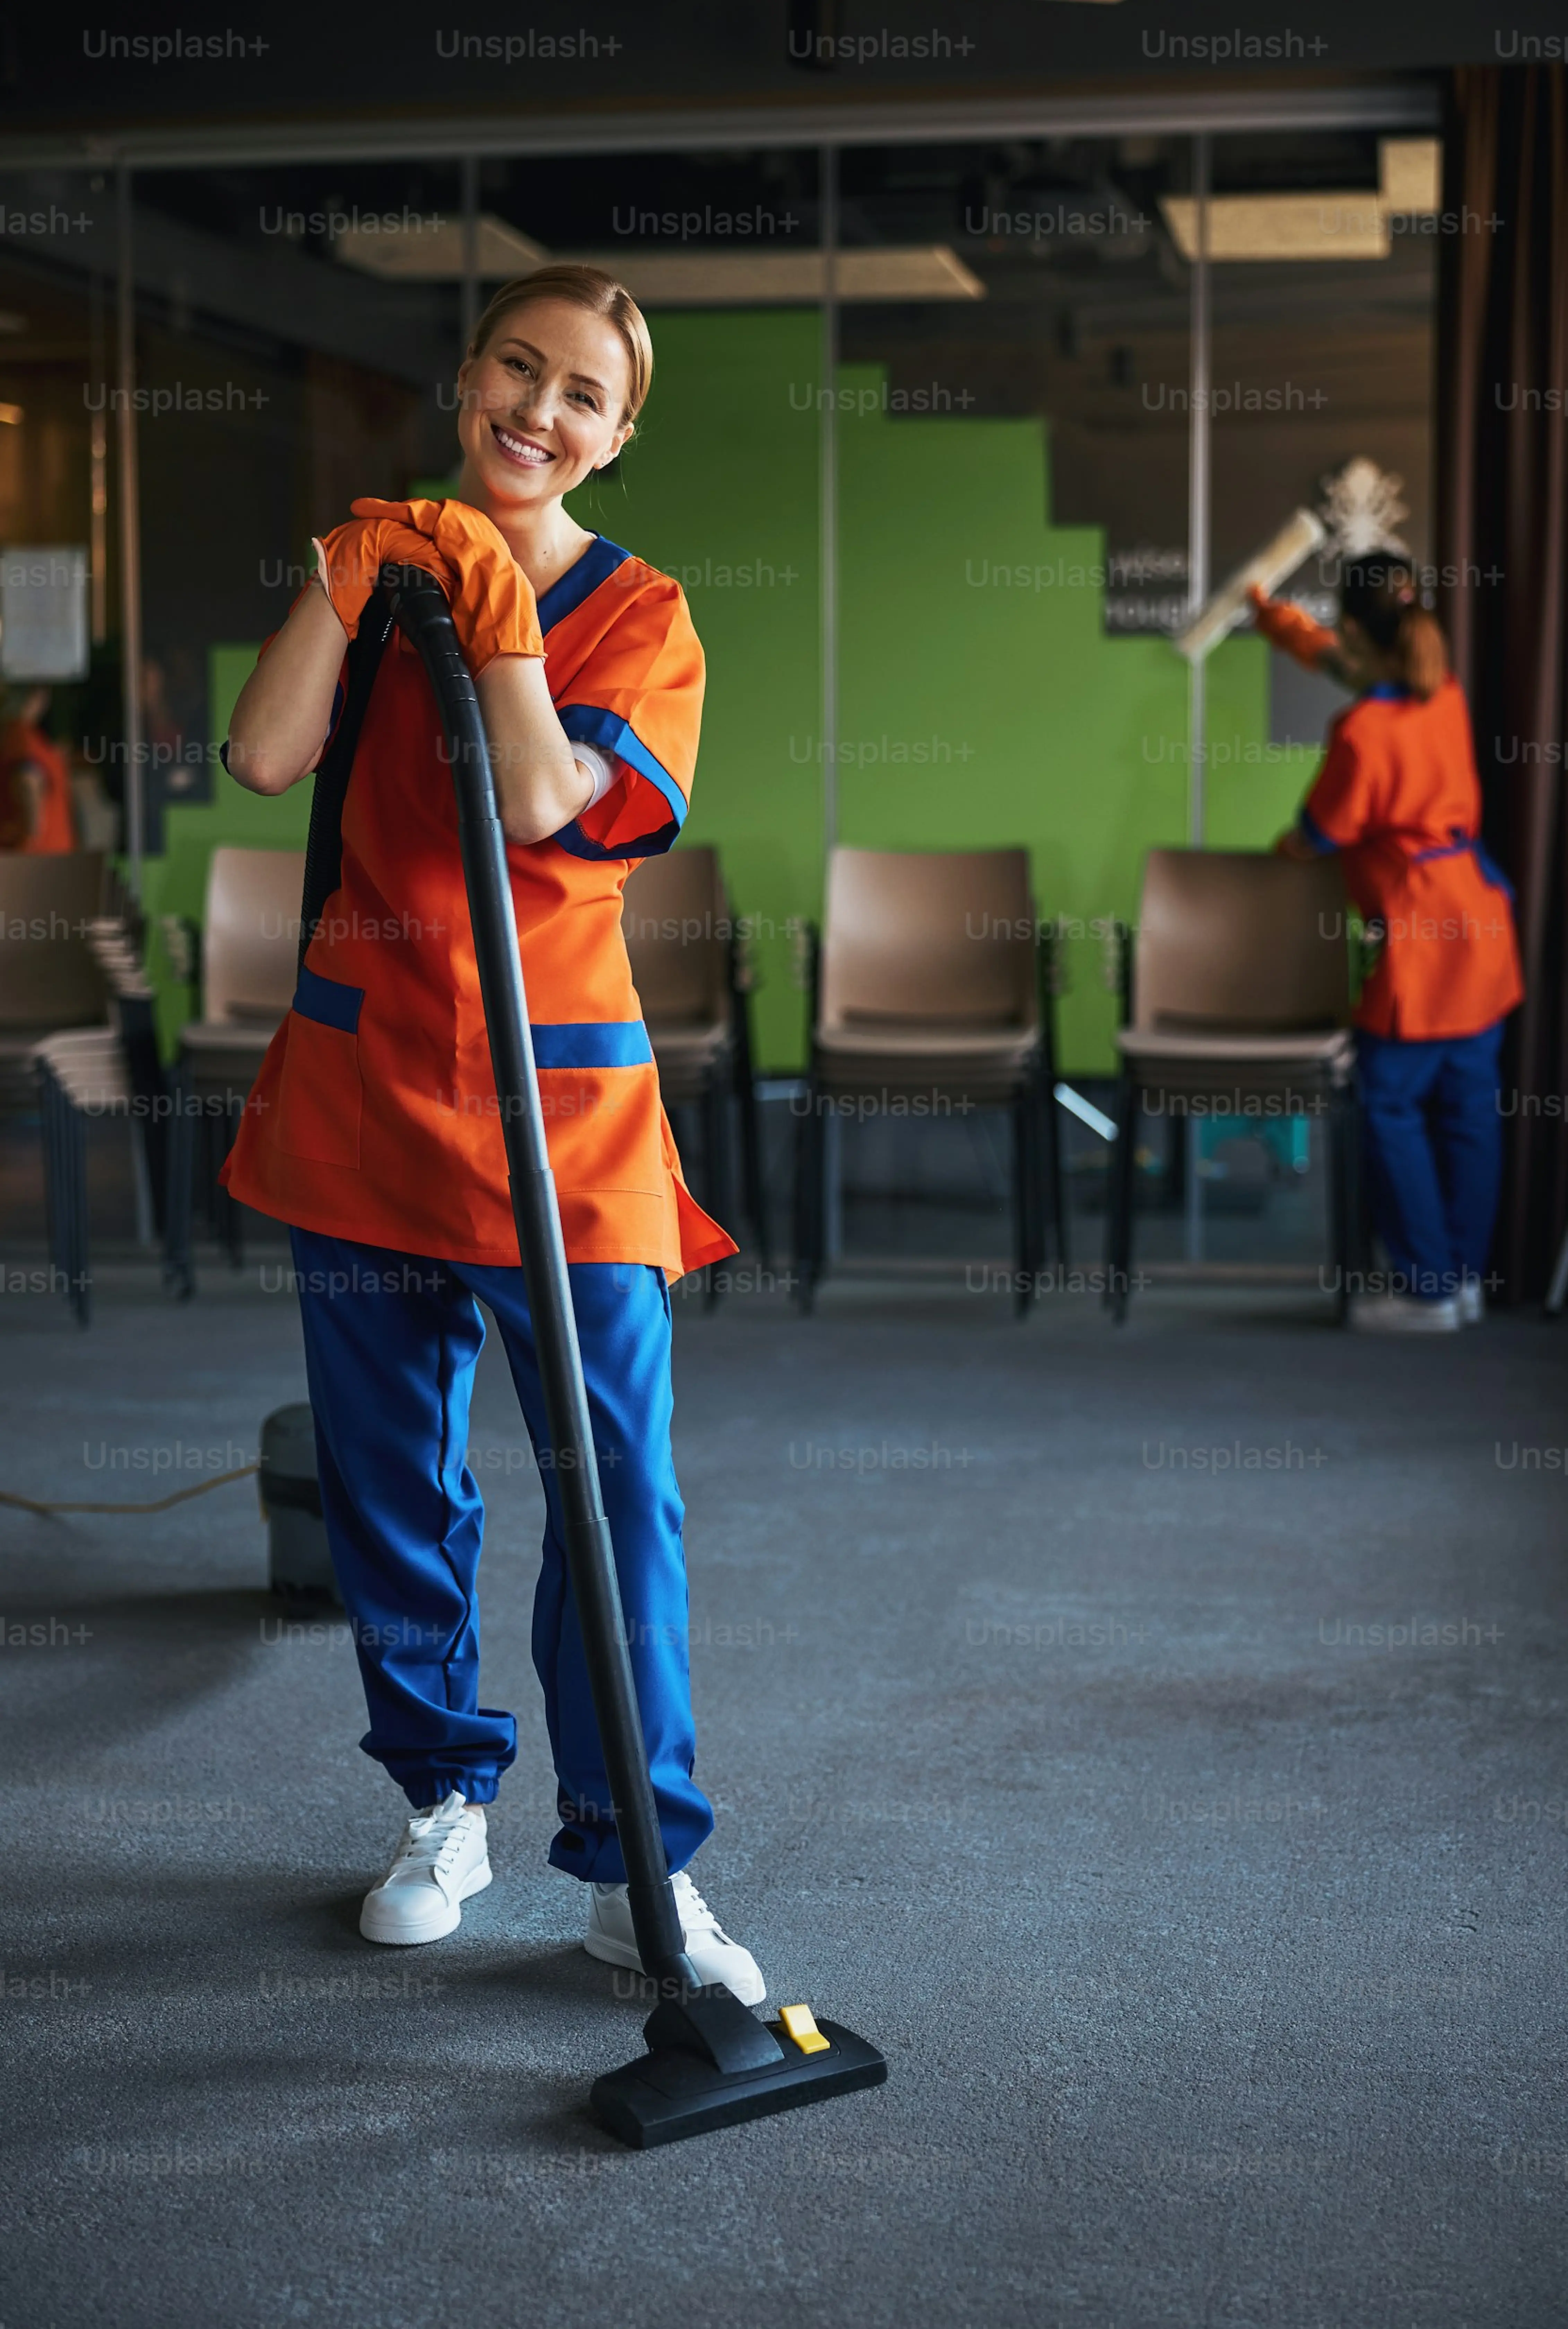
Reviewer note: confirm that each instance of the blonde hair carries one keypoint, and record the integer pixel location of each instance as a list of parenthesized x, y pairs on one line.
[(598, 293)]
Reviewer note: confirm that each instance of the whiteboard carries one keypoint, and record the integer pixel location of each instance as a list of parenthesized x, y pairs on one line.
[(43, 612)]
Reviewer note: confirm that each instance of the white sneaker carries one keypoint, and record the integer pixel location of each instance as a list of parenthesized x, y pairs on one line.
[(715, 1957), (1404, 1314), (441, 1860), (1472, 1302)]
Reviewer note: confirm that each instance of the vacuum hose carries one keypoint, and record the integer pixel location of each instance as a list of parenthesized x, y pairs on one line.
[(422, 614)]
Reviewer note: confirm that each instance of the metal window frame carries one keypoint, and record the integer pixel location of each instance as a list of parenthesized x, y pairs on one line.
[(1400, 102)]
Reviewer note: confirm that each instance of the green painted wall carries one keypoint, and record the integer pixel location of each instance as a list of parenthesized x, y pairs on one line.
[(721, 489), (972, 632), (980, 703)]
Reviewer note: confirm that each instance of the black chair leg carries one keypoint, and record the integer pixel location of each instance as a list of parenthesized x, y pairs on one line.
[(1177, 1147), (179, 1196), (716, 1142), (1038, 1192), (1023, 1204), (810, 1195), (59, 1187), (822, 1155), (1039, 1209), (715, 1105), (753, 1172), (61, 1196), (1356, 1256), (752, 1168), (231, 1230), (1123, 1192), (1341, 1200), (51, 1167), (208, 1133), (78, 1269), (1051, 1137), (150, 1089)]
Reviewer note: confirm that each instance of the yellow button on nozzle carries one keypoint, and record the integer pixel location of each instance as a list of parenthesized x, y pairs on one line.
[(800, 2024)]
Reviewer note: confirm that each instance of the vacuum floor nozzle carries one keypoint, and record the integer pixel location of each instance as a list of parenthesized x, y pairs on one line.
[(681, 2087)]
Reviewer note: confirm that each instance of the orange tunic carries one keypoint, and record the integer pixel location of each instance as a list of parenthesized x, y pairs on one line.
[(376, 1116), (56, 832), (1398, 795)]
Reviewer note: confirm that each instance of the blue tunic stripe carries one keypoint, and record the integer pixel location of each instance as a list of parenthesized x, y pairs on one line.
[(596, 1043)]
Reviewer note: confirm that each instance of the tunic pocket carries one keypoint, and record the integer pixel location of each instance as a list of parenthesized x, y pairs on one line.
[(321, 1095)]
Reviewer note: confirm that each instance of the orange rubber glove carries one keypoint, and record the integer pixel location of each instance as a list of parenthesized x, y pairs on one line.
[(351, 557), (492, 599), (1288, 628)]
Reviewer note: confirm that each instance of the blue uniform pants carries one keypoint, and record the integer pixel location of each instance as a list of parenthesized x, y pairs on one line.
[(390, 1344), (1433, 1142)]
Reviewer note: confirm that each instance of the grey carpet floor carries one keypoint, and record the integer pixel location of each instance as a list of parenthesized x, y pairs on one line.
[(1215, 1937)]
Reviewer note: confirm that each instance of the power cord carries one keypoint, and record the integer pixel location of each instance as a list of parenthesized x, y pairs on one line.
[(162, 1504)]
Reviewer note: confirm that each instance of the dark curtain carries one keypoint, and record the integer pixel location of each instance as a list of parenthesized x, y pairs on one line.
[(1503, 551)]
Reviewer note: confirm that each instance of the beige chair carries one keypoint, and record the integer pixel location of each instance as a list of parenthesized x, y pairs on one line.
[(249, 947), (250, 958), (1239, 991), (929, 987), (693, 982)]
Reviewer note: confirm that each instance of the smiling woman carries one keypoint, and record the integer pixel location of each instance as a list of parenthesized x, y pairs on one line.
[(548, 391), (374, 1128)]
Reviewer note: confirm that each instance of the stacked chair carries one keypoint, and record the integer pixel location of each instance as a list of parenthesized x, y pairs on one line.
[(50, 979), (77, 1038), (1237, 988), (933, 979)]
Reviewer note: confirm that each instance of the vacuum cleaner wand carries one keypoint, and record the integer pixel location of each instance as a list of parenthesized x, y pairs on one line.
[(423, 616), (711, 2061)]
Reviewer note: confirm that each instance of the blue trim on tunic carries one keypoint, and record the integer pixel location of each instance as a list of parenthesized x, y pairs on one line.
[(593, 1043), (608, 732), (578, 582), (1313, 835), (328, 1002)]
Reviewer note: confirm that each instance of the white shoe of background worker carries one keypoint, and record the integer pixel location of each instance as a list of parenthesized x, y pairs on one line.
[(1398, 797), (374, 1130)]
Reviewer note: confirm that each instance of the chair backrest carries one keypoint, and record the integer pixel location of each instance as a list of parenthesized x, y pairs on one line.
[(928, 935), (49, 975), (250, 933), (675, 919), (1231, 938)]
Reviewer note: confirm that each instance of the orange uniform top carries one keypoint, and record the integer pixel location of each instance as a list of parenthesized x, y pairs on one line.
[(56, 832), (1398, 796), (376, 1116)]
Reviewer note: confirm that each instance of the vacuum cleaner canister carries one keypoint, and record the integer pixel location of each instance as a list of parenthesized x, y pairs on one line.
[(299, 1558)]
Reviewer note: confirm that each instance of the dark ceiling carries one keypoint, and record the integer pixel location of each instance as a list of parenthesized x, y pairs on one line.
[(291, 60)]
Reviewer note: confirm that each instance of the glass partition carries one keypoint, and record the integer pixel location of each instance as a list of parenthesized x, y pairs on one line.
[(1013, 437)]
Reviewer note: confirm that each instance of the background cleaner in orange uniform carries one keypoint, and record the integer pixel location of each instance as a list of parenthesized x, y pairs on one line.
[(36, 817), (1397, 795), (374, 1128)]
